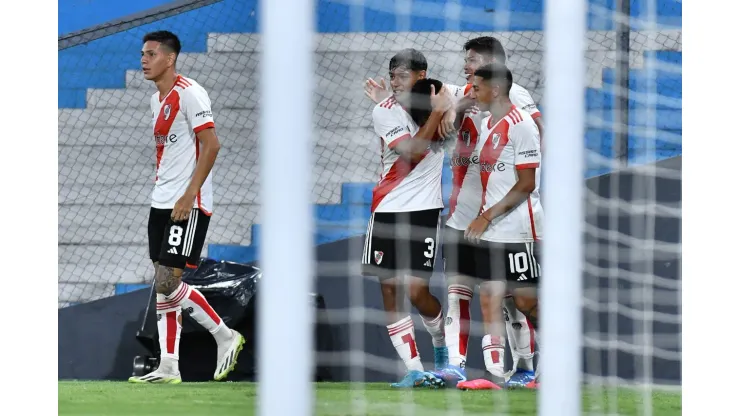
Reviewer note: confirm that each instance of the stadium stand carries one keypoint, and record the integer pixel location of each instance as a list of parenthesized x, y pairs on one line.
[(103, 106)]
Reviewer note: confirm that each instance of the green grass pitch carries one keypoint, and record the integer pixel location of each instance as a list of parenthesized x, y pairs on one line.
[(101, 398)]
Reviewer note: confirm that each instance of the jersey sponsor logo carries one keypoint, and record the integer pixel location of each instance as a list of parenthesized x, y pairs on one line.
[(529, 153), (492, 167), (206, 113), (167, 110), (161, 139), (395, 131), (464, 160), (529, 107)]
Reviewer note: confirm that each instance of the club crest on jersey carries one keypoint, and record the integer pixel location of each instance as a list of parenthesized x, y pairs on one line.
[(167, 109), (496, 139), (466, 137), (378, 257)]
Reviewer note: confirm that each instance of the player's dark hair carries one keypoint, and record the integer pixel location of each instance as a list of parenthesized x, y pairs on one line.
[(420, 107), (166, 38), (489, 46), (410, 59), (496, 72)]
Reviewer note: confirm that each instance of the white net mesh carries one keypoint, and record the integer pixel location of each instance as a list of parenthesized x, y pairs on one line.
[(632, 280)]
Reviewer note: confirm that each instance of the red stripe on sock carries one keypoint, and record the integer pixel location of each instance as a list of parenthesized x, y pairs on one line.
[(404, 327), (464, 326), (460, 291), (531, 335), (171, 331), (399, 324), (176, 299), (199, 300)]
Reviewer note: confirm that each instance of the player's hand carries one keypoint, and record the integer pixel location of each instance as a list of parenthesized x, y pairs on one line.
[(447, 125), (375, 91), (183, 207), (476, 229), (442, 100), (465, 103)]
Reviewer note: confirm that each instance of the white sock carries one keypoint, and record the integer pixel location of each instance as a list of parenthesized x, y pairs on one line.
[(457, 328), (169, 326), (521, 336), (404, 340), (493, 354), (436, 328), (195, 304)]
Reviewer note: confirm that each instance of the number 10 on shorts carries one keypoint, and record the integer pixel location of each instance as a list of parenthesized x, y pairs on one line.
[(518, 263)]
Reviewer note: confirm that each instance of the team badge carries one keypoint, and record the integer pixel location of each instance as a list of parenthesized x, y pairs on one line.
[(466, 137), (496, 138), (378, 257), (167, 109)]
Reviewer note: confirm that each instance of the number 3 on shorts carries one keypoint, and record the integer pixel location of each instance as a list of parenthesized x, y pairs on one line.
[(429, 253), (175, 236)]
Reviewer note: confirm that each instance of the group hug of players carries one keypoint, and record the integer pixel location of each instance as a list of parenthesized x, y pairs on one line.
[(492, 129), (490, 235)]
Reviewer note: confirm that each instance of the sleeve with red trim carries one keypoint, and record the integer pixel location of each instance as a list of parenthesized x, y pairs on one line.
[(526, 140), (457, 92), (523, 100), (197, 108), (390, 126)]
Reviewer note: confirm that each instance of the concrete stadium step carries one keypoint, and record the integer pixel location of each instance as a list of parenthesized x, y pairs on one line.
[(664, 120), (669, 39), (228, 119), (83, 292), (89, 254), (137, 270), (105, 225), (328, 113), (186, 62)]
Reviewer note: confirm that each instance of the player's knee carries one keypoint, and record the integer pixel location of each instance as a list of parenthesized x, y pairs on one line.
[(418, 291), (166, 279), (524, 303), (527, 305)]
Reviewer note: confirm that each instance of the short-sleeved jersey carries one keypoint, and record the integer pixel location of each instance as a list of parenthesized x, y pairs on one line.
[(404, 186), (506, 146), (176, 119), (465, 199)]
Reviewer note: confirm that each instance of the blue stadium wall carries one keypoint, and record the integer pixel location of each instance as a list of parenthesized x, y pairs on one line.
[(102, 64)]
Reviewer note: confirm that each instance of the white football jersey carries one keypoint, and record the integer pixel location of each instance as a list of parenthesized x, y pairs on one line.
[(467, 190), (511, 144), (404, 186), (176, 118)]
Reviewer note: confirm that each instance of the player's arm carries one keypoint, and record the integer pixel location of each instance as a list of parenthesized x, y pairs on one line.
[(397, 137), (524, 101), (526, 141), (209, 147), (200, 118)]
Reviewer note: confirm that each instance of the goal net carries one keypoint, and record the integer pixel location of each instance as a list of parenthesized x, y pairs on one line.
[(632, 181)]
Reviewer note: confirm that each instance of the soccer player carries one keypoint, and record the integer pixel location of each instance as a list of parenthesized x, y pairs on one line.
[(465, 202), (182, 203), (402, 233), (507, 230)]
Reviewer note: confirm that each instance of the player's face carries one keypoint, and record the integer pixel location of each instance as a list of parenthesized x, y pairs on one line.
[(155, 60), (402, 80), (473, 61), (482, 92)]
